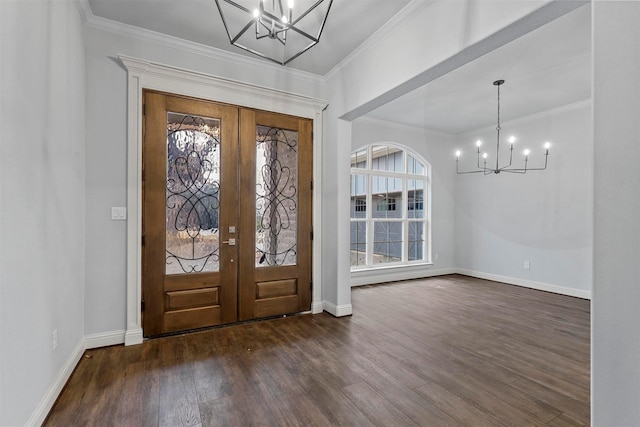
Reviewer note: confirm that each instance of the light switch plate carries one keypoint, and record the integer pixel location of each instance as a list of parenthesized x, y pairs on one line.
[(118, 213)]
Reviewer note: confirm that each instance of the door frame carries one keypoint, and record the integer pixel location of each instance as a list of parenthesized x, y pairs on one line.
[(142, 74)]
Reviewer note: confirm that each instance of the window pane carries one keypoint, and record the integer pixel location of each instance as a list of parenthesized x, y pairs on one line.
[(414, 166), (415, 198), (387, 242), (385, 158), (358, 196), (193, 194), (358, 243), (359, 159), (276, 196), (416, 240), (386, 197)]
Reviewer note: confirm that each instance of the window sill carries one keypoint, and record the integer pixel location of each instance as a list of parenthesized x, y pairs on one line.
[(391, 273)]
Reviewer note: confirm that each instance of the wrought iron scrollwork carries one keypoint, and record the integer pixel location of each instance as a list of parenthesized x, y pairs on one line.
[(193, 195), (276, 197)]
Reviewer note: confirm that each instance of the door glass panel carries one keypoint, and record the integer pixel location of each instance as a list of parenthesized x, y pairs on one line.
[(193, 194), (276, 196)]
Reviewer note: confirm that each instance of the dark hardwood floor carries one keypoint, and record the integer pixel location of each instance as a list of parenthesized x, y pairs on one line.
[(444, 351)]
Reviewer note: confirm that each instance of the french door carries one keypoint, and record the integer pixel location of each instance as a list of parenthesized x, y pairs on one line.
[(226, 214)]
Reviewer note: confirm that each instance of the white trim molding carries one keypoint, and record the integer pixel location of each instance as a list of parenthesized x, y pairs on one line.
[(338, 310), (371, 276), (42, 410), (104, 339), (142, 74), (548, 287)]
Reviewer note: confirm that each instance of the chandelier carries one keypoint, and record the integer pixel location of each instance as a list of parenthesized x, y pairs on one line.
[(268, 29), (507, 167)]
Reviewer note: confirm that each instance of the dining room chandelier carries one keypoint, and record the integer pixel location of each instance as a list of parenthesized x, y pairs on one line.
[(272, 31), (486, 170)]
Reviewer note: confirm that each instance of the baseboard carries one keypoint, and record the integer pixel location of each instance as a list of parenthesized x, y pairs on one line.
[(338, 310), (104, 339), (541, 286), (317, 307), (42, 410), (393, 274), (133, 336)]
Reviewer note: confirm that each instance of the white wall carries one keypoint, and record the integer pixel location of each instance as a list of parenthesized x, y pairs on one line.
[(616, 291), (42, 183), (393, 62), (544, 217), (435, 148)]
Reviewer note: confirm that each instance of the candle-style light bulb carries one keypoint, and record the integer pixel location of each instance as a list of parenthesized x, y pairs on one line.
[(485, 155), (547, 145), (526, 152), (512, 139), (478, 143), (458, 153)]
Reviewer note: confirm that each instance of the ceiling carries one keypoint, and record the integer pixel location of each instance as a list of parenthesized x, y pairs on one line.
[(199, 21), (547, 68)]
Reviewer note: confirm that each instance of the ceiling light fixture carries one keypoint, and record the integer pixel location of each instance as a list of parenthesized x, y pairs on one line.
[(506, 168), (281, 34)]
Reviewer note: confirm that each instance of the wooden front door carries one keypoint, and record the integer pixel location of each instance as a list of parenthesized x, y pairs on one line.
[(226, 214)]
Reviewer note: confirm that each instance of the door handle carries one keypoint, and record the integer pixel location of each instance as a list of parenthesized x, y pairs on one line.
[(230, 242)]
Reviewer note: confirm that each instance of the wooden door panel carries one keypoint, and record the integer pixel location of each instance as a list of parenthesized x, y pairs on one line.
[(274, 289), (263, 174), (190, 197), (192, 298), (191, 318)]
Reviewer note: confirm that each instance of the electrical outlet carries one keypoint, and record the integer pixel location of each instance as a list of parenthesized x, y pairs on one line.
[(527, 265), (55, 339)]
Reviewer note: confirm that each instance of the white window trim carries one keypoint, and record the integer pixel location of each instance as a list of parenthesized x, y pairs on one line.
[(369, 220), (142, 74)]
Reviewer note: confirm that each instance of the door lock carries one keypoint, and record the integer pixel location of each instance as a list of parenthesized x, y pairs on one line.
[(230, 242)]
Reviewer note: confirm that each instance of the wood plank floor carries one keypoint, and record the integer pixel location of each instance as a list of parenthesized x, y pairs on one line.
[(446, 351)]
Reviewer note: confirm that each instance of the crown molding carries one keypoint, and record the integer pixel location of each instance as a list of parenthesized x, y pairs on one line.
[(149, 36), (382, 33)]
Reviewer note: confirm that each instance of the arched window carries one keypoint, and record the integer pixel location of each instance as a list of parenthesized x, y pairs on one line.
[(390, 217)]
